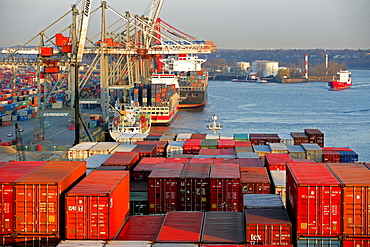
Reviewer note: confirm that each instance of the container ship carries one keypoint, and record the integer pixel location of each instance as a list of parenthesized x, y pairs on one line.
[(193, 79), (344, 81), (127, 119)]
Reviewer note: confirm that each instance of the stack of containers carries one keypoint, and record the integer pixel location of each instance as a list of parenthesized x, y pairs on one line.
[(103, 148), (168, 137), (194, 187), (254, 180), (161, 146), (261, 150), (330, 155), (287, 139), (277, 162), (296, 152), (278, 148), (192, 146), (226, 144), (97, 207), (143, 169), (225, 187), (44, 189), (175, 147), (146, 150), (314, 200), (180, 228), (162, 187), (347, 155), (263, 139), (355, 183), (80, 151)]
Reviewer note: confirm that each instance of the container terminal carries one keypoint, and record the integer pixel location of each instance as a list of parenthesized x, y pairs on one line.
[(155, 189)]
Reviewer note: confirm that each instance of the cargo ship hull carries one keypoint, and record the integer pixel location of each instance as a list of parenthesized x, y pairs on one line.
[(344, 81), (193, 98)]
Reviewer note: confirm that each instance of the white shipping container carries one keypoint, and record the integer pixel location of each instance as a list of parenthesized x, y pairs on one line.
[(125, 138), (175, 147), (138, 137), (103, 148), (124, 148), (80, 151), (96, 160), (212, 136), (287, 139), (227, 136), (278, 148), (279, 184), (183, 136)]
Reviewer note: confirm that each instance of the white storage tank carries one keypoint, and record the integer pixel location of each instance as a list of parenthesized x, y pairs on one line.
[(265, 68)]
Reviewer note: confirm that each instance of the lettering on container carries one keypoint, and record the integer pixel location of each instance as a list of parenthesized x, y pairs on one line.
[(255, 237)]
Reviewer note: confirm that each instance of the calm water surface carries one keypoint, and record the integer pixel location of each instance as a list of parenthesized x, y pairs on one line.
[(241, 107)]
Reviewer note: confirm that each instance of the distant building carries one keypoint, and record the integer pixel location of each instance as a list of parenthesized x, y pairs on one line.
[(265, 68)]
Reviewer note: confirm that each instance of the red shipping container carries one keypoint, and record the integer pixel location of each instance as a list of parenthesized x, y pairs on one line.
[(97, 207), (38, 196), (277, 161), (254, 180), (314, 197), (161, 146), (202, 160), (194, 187), (315, 136), (250, 162), (177, 160), (226, 143), (146, 150), (128, 160), (225, 160), (207, 151), (162, 186), (225, 151), (181, 227), (225, 187), (355, 179), (299, 137), (356, 242), (331, 156), (192, 146), (267, 227), (141, 172), (152, 160), (243, 144), (198, 136), (9, 174), (141, 228)]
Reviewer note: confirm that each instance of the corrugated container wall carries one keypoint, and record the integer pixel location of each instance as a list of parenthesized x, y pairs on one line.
[(254, 180), (10, 173), (141, 228), (268, 227), (97, 207), (314, 198), (355, 179), (42, 190)]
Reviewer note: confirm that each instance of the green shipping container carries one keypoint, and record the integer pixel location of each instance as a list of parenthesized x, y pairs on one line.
[(241, 137)]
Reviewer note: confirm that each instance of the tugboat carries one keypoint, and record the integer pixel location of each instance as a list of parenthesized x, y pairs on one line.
[(128, 119), (345, 81)]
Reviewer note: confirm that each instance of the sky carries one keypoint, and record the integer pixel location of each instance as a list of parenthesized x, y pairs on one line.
[(230, 24)]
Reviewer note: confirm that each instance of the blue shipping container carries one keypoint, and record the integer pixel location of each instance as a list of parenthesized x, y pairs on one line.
[(348, 156), (318, 242)]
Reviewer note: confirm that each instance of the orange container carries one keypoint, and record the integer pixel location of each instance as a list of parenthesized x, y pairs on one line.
[(97, 207), (38, 196), (46, 51), (67, 48)]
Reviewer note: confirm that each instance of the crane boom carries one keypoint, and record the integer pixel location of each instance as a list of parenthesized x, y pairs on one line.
[(86, 7)]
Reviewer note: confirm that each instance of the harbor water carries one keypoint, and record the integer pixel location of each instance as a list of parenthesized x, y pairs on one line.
[(243, 107)]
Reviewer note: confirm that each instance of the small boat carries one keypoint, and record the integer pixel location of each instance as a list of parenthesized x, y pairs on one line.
[(128, 119), (344, 81)]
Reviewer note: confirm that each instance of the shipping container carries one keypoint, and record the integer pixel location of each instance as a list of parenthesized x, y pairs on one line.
[(247, 155), (254, 180), (35, 240), (356, 242), (193, 187), (314, 197), (209, 152), (278, 148), (43, 190), (225, 187), (348, 156), (212, 136), (97, 206), (287, 139), (96, 160), (80, 151), (355, 180), (141, 228), (192, 146), (103, 148), (315, 136), (250, 162), (181, 227), (163, 187), (138, 137), (177, 160), (226, 144), (278, 182), (124, 148), (277, 161), (146, 150), (223, 227), (161, 146), (226, 151), (183, 136), (125, 138), (141, 172), (318, 242), (267, 201), (226, 136), (299, 138), (296, 152), (138, 202), (168, 137), (241, 137), (331, 156), (209, 143), (267, 227), (175, 147), (128, 160), (11, 172), (201, 160), (313, 151), (261, 150), (198, 136)]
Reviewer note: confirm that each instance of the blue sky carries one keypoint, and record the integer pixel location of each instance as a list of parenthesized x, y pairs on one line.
[(231, 24)]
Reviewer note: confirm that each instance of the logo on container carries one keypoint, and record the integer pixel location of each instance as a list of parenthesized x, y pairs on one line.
[(255, 237)]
